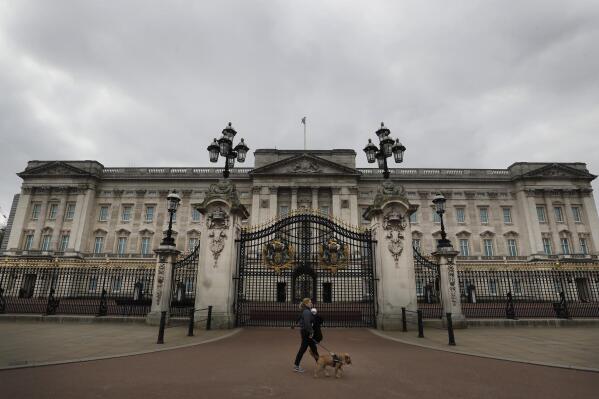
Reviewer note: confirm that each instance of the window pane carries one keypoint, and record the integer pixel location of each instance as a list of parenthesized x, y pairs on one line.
[(547, 246), (484, 215), (103, 213), (99, 245), (28, 242), (413, 218), (46, 242), (541, 214), (512, 247), (126, 213), (35, 212), (488, 247), (507, 215), (122, 245), (195, 215), (64, 242), (149, 213), (558, 214), (145, 245), (565, 246), (416, 243), (70, 212), (436, 217), (460, 215), (464, 247), (576, 214), (52, 212), (583, 246)]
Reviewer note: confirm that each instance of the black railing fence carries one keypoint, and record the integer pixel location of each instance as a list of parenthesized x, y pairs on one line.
[(427, 286), (529, 293), (82, 290)]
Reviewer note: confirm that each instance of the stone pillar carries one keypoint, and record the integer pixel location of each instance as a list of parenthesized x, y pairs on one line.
[(217, 259), (450, 291), (589, 212), (336, 191), (22, 214), (314, 198), (273, 203), (166, 255), (293, 198), (396, 284), (256, 205), (83, 219), (353, 206), (526, 202)]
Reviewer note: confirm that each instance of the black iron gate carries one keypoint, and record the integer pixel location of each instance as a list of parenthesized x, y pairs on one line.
[(183, 290), (427, 286), (305, 256)]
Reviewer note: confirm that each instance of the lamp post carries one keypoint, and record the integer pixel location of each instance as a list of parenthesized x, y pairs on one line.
[(387, 147), (224, 148), (172, 202), (439, 202)]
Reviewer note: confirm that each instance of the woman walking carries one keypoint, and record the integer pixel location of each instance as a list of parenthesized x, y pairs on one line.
[(305, 322)]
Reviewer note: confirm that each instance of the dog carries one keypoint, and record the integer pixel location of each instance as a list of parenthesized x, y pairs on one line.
[(332, 360)]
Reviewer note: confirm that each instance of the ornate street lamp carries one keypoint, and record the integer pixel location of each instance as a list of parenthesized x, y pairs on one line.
[(387, 147), (172, 203), (224, 148), (439, 202)]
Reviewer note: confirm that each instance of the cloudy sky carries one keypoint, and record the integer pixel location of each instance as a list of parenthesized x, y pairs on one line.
[(478, 84)]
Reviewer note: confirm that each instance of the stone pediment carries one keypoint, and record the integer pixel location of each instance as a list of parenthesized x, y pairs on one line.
[(556, 170), (55, 169), (304, 164)]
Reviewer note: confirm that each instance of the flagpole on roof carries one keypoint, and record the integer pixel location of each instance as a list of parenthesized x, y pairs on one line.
[(304, 123)]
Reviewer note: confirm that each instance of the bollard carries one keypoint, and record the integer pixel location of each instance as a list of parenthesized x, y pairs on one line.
[(420, 325), (450, 330), (161, 328), (209, 319), (404, 327), (191, 321)]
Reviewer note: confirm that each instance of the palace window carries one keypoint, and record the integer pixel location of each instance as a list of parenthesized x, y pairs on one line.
[(512, 247), (547, 246), (149, 213), (413, 217), (99, 245), (103, 215), (559, 214), (126, 215), (565, 243), (416, 243), (541, 214), (46, 238), (64, 242), (577, 214), (464, 247), (484, 215), (195, 214), (323, 209), (28, 242), (507, 215), (35, 211), (53, 210), (460, 215), (145, 245), (122, 245), (488, 247), (284, 210), (192, 243), (70, 211), (584, 248)]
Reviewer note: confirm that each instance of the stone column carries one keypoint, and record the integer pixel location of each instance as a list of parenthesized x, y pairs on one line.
[(218, 256), (315, 198), (450, 291), (589, 212), (273, 203), (255, 219), (396, 284), (83, 219), (166, 255), (526, 202), (22, 214), (336, 191), (353, 206), (293, 198)]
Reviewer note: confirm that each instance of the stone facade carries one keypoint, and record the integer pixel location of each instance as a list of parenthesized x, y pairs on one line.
[(527, 211)]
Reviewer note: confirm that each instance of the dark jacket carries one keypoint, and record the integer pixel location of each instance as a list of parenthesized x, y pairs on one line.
[(305, 321), (316, 326)]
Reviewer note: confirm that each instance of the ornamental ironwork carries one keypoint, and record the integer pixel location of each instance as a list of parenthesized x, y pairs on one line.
[(333, 255), (278, 255)]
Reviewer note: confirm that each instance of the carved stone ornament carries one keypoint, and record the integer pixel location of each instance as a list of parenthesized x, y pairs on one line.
[(305, 166), (160, 279), (278, 255), (217, 243), (217, 219), (226, 191), (333, 255), (394, 224)]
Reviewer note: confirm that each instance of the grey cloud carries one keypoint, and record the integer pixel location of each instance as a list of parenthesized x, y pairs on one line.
[(462, 84)]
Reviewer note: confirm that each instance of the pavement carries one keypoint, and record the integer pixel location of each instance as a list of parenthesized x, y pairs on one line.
[(257, 363)]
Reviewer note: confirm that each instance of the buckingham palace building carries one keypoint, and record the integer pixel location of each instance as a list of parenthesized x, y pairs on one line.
[(528, 215)]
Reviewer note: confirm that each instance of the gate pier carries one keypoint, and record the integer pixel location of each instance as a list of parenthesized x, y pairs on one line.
[(217, 258), (396, 285)]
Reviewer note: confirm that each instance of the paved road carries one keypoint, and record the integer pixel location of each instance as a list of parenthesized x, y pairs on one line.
[(256, 363)]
